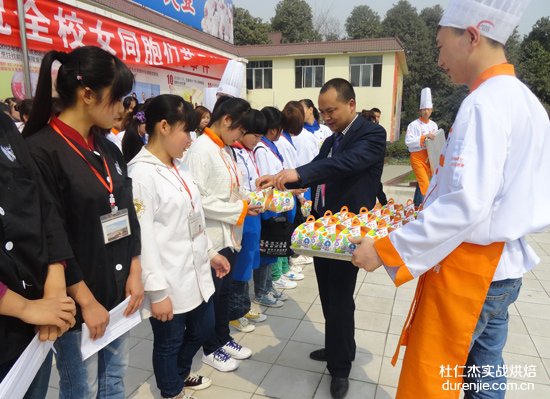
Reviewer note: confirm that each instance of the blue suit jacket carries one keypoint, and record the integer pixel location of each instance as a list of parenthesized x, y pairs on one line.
[(352, 174)]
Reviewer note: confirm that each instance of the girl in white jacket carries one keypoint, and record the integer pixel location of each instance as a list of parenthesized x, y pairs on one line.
[(215, 171), (176, 254)]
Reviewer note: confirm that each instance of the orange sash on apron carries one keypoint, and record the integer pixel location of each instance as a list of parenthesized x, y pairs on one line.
[(421, 167), (442, 318)]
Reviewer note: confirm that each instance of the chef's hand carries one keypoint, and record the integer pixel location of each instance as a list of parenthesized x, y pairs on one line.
[(264, 182), (134, 287), (365, 256), (221, 265)]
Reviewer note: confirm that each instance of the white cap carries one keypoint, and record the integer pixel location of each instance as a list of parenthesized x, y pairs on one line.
[(426, 98), (495, 19), (232, 79), (209, 98)]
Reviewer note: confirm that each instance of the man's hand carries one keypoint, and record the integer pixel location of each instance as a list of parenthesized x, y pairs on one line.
[(264, 182), (365, 255), (221, 265), (285, 176)]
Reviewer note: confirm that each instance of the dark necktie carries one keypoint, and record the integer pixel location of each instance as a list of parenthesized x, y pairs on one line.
[(337, 140)]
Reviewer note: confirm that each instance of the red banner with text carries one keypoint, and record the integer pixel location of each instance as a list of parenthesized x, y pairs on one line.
[(54, 25)]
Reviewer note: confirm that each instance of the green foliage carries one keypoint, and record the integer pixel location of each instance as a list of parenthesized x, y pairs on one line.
[(398, 149), (294, 19), (249, 29), (363, 23), (513, 48), (540, 33)]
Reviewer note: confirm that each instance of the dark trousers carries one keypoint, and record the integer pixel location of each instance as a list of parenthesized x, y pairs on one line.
[(239, 300), (221, 307), (176, 342), (381, 195), (336, 281)]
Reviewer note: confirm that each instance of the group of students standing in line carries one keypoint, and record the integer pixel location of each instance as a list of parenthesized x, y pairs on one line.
[(187, 241)]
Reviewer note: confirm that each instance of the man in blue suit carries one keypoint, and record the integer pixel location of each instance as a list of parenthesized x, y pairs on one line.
[(347, 171)]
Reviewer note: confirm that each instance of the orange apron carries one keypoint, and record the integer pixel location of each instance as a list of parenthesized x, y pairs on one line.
[(443, 315), (421, 167)]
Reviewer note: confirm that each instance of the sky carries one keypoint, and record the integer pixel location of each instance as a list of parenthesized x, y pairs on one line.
[(265, 9)]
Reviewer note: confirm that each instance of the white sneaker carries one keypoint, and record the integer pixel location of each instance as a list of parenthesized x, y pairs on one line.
[(242, 324), (221, 361), (237, 351), (300, 260), (284, 284), (296, 269), (291, 275)]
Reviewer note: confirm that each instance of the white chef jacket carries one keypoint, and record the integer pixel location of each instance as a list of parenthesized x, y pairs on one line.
[(288, 151), (213, 169), (173, 264), (248, 167), (323, 132), (268, 162), (415, 131), (307, 147), (490, 184)]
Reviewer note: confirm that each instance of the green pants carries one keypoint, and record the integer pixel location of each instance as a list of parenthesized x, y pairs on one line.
[(279, 268)]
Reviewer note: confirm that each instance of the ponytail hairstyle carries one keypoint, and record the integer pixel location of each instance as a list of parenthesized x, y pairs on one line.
[(293, 117), (308, 103), (87, 66), (236, 108), (174, 109)]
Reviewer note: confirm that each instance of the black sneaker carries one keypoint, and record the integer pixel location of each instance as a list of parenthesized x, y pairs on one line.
[(197, 382)]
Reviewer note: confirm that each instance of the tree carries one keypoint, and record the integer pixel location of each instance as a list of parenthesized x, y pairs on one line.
[(326, 25), (534, 61), (431, 17), (540, 33), (248, 29), (293, 18), (513, 47), (363, 23)]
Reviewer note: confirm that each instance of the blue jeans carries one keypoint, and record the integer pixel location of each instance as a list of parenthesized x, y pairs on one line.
[(239, 300), (176, 342), (99, 376), (39, 385), (262, 280), (489, 339)]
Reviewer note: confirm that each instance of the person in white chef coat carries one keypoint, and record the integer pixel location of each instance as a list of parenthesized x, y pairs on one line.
[(468, 245), (176, 253)]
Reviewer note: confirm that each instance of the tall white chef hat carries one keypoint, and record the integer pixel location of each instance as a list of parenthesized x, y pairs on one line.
[(495, 19), (232, 79), (426, 98), (209, 98)]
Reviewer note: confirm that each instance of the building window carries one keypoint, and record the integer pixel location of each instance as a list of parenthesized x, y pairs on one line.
[(259, 75), (366, 71), (310, 73)]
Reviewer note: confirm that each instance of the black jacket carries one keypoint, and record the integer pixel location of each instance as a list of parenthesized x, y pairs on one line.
[(81, 200), (31, 234), (352, 174)]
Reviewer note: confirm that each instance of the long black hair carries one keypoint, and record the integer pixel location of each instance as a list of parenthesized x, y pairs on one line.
[(273, 117), (87, 66)]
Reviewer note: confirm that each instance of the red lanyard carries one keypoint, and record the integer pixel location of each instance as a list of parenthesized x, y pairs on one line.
[(107, 184), (253, 159), (178, 176)]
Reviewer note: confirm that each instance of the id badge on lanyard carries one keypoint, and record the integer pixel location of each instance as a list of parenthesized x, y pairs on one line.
[(115, 225)]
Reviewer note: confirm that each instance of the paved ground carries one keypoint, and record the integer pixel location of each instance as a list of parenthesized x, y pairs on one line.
[(281, 368)]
